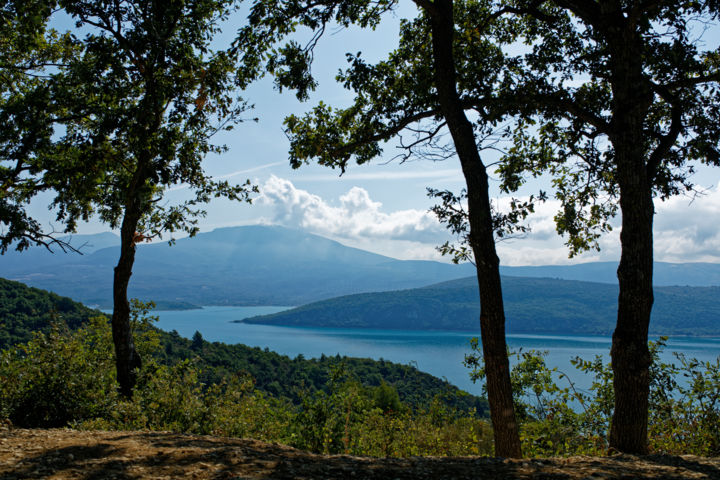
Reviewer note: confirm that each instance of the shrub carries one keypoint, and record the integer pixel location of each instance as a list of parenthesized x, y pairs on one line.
[(59, 377), (684, 413)]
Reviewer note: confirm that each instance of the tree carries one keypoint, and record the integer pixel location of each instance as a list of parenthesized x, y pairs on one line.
[(29, 51), (445, 66), (146, 95), (197, 341), (625, 99)]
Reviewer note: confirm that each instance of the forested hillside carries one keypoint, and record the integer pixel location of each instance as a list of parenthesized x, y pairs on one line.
[(532, 305), (24, 310), (695, 274)]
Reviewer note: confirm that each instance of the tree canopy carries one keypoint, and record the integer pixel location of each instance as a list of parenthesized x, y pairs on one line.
[(440, 80), (29, 112), (613, 99), (129, 112), (627, 98)]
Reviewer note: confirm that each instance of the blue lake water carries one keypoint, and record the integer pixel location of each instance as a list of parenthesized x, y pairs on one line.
[(440, 353)]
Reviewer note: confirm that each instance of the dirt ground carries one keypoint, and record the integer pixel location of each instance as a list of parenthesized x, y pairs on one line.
[(68, 454)]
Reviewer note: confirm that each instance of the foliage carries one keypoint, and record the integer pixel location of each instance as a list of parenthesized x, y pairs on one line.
[(292, 378), (686, 401), (575, 130), (29, 51), (153, 94), (67, 378), (24, 310), (64, 376), (557, 418), (350, 420), (58, 377), (274, 374)]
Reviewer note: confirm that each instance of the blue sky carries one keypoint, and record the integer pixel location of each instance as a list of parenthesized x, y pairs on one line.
[(382, 206)]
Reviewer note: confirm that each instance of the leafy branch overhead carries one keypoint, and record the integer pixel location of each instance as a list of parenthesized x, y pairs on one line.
[(452, 211), (443, 74), (154, 95), (142, 97), (396, 97), (572, 112), (29, 114)]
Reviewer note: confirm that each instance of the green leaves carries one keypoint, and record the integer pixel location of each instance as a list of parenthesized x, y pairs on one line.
[(560, 419), (30, 53), (576, 79), (153, 94)]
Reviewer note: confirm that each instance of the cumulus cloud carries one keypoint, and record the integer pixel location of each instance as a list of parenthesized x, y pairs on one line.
[(356, 216), (685, 230), (542, 245)]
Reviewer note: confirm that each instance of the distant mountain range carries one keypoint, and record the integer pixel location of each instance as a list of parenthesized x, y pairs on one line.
[(251, 265), (532, 305), (664, 274), (270, 265)]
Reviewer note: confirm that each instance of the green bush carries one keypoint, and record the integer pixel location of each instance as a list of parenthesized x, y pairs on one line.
[(685, 417), (66, 377), (59, 377), (556, 418)]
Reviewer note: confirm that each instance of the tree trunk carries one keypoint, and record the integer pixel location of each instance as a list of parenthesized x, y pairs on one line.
[(482, 241), (630, 354), (127, 360)]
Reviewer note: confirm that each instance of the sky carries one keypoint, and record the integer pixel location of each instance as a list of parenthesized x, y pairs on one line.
[(382, 206)]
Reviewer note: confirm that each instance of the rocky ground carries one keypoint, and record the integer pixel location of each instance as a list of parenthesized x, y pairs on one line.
[(68, 454)]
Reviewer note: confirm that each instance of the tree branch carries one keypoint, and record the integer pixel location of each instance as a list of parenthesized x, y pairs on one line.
[(385, 134)]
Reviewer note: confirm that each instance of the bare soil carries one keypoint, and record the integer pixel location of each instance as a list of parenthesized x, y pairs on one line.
[(68, 454)]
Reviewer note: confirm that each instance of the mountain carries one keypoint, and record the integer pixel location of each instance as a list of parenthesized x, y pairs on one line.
[(532, 305), (270, 265), (664, 274), (251, 265), (36, 258)]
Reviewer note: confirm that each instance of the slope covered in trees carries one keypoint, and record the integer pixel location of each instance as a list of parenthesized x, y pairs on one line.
[(534, 305), (24, 310)]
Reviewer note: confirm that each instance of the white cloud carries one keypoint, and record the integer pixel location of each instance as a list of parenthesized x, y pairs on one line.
[(685, 231), (357, 215), (542, 245)]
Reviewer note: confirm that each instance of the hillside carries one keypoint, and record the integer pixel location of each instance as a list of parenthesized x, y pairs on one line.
[(532, 305), (664, 274), (24, 310)]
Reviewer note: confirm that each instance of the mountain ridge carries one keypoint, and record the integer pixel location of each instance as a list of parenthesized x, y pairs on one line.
[(252, 265), (272, 265), (532, 305)]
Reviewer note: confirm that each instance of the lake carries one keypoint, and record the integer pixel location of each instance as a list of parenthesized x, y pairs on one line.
[(440, 353)]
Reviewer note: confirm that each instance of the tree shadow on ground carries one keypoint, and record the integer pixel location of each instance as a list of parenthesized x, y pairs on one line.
[(140, 455)]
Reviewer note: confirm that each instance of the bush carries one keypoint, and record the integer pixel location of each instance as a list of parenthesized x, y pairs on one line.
[(684, 413), (59, 377), (68, 378)]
